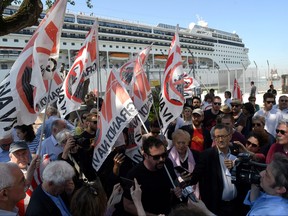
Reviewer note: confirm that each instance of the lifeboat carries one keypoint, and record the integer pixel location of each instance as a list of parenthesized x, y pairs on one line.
[(160, 57), (119, 56)]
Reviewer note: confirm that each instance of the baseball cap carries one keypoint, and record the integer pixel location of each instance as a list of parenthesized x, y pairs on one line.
[(198, 111), (18, 145)]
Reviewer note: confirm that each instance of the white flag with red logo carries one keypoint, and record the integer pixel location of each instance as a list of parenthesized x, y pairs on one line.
[(237, 91), (24, 86), (171, 96), (116, 112), (46, 48), (142, 97), (189, 84), (83, 67)]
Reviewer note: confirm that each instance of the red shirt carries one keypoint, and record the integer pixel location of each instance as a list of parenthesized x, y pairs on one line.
[(197, 142)]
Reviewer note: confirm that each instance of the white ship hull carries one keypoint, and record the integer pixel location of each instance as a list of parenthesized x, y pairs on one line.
[(211, 52)]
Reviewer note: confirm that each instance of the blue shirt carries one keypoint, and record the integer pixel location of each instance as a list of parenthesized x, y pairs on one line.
[(4, 155), (51, 147), (48, 127), (267, 205)]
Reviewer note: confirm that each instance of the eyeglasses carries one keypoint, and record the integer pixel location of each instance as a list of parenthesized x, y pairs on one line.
[(284, 101), (268, 102), (157, 157), (217, 104), (221, 136), (256, 124), (250, 143), (280, 131), (235, 105)]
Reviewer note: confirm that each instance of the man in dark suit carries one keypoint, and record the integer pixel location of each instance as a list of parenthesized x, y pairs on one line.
[(213, 174), (46, 199)]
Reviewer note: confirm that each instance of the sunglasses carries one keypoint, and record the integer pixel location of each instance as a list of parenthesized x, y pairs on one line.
[(284, 101), (235, 105), (217, 104), (280, 131), (157, 157), (95, 122), (269, 102), (256, 124), (83, 117), (155, 132), (250, 143)]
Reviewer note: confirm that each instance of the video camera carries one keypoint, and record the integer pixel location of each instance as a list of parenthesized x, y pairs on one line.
[(246, 170), (82, 141)]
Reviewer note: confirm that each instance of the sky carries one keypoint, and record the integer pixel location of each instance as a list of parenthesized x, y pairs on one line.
[(262, 25)]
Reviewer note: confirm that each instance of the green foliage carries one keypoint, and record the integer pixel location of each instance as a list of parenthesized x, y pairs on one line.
[(155, 94)]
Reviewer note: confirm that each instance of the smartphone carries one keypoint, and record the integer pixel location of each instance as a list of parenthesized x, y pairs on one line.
[(127, 182), (181, 169)]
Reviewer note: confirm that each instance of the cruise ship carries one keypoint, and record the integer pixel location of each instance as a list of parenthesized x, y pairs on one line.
[(212, 56)]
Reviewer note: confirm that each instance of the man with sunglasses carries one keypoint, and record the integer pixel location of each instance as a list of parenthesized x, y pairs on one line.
[(158, 195), (240, 118), (211, 114), (272, 115), (281, 144)]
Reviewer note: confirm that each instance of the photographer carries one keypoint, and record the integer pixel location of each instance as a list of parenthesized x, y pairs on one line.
[(252, 146), (75, 153), (274, 182)]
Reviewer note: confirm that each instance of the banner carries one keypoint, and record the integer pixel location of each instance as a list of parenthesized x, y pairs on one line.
[(171, 96), (83, 67), (24, 86), (116, 112)]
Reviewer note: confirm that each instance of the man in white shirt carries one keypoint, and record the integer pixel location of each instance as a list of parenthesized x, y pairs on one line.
[(272, 116)]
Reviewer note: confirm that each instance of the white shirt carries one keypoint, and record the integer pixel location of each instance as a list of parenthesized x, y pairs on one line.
[(272, 118), (229, 190)]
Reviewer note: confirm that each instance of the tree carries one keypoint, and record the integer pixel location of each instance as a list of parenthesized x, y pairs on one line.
[(27, 14)]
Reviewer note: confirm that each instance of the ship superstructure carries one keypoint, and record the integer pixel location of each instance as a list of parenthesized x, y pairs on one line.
[(207, 53)]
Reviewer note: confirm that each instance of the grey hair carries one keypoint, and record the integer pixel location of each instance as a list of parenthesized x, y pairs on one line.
[(283, 121), (180, 133), (6, 177), (58, 172), (62, 135)]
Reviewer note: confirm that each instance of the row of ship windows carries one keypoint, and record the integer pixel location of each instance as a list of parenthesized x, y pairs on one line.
[(123, 47)]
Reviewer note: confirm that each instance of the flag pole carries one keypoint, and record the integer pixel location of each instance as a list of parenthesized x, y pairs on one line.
[(171, 180), (98, 67), (44, 118), (144, 126)]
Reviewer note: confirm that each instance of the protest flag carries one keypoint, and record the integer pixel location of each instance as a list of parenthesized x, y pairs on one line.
[(24, 86), (84, 66), (116, 112), (171, 96)]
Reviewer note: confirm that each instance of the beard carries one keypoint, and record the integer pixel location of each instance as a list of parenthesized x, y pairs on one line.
[(159, 165)]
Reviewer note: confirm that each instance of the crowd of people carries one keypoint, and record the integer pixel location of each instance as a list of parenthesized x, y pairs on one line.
[(189, 168)]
